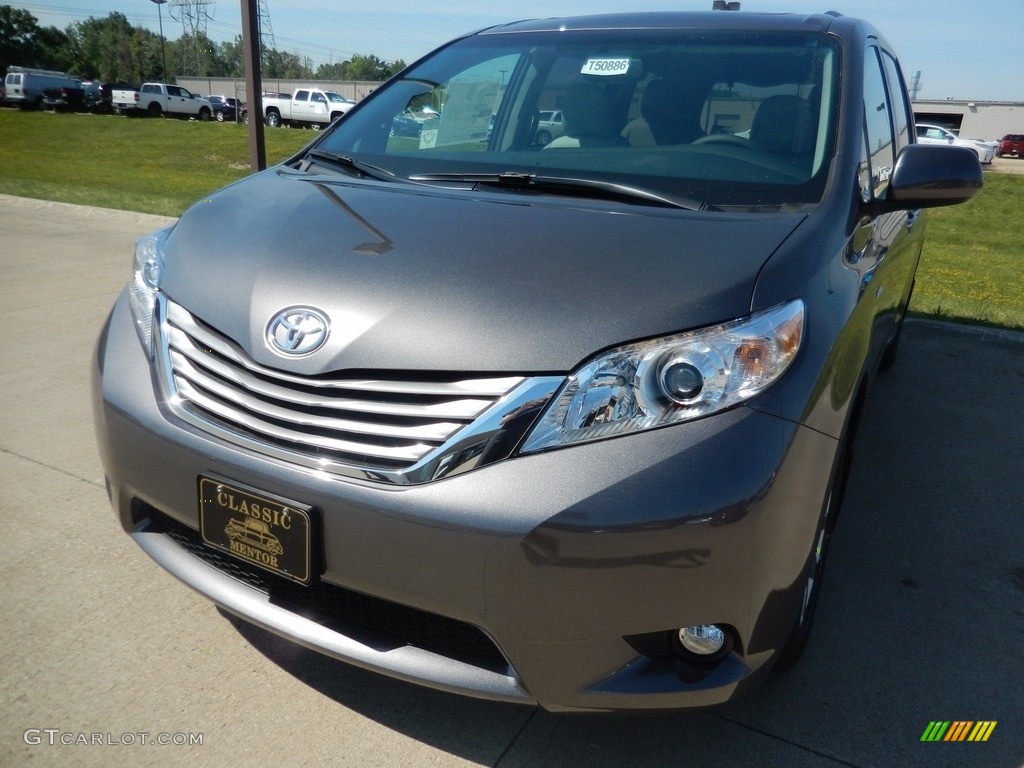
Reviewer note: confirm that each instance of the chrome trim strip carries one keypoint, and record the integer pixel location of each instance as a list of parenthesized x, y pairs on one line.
[(180, 343), (406, 663), (436, 432), (188, 392), (491, 388), (491, 436)]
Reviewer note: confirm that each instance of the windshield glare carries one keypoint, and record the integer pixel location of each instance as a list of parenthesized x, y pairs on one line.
[(732, 119)]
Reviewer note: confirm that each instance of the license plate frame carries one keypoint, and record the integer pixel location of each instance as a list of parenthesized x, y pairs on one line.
[(258, 528)]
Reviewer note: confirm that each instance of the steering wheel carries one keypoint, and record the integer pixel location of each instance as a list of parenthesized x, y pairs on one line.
[(728, 139)]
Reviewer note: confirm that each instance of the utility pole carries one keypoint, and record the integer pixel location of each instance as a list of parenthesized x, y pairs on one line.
[(253, 83), (163, 54)]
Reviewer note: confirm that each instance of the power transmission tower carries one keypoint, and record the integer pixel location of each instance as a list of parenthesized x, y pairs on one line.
[(267, 41), (194, 16)]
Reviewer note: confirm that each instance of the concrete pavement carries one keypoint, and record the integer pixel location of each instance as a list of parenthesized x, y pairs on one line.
[(1008, 165), (922, 615)]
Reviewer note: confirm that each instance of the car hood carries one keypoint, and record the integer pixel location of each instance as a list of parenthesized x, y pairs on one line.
[(416, 278)]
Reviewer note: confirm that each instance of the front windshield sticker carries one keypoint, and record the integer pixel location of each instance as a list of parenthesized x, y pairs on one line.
[(428, 138), (605, 67), (467, 112)]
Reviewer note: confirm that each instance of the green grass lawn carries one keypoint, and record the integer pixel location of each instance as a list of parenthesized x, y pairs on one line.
[(153, 165), (972, 269)]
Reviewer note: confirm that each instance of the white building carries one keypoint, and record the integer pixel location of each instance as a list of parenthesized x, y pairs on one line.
[(985, 120)]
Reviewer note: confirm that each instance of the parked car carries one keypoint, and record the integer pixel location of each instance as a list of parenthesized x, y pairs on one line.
[(99, 96), (412, 122), (305, 106), (164, 99), (549, 126), (25, 86), (65, 98), (1011, 145), (243, 111), (557, 426), (936, 134), (125, 100), (224, 108)]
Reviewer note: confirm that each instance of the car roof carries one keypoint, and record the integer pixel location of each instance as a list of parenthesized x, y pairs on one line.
[(845, 27), (723, 20)]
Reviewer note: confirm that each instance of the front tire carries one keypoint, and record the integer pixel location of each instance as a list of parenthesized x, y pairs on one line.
[(204, 114), (888, 358), (814, 570)]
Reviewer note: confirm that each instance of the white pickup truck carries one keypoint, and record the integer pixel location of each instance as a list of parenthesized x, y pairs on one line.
[(162, 99), (305, 105)]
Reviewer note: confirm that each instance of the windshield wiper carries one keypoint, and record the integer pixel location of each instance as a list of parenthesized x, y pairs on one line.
[(565, 186), (346, 163)]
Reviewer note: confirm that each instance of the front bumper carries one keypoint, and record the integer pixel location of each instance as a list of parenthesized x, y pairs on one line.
[(553, 558)]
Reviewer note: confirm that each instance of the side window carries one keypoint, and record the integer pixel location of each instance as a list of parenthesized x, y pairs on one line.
[(878, 125), (457, 115), (319, 98), (302, 95), (901, 114)]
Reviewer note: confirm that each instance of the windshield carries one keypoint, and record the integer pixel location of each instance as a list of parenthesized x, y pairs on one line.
[(732, 119)]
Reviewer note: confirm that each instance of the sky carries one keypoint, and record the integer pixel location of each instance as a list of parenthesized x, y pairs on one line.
[(963, 50)]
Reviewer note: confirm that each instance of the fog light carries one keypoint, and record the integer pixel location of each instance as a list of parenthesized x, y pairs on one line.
[(702, 639)]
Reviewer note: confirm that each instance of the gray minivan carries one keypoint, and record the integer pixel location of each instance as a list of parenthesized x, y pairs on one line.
[(562, 423)]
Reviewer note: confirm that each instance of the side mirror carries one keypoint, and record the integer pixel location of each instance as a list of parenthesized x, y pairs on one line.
[(928, 176)]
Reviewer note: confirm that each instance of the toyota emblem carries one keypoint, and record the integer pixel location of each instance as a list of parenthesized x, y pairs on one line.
[(297, 331)]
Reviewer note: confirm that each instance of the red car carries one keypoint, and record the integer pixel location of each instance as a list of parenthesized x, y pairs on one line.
[(1011, 144)]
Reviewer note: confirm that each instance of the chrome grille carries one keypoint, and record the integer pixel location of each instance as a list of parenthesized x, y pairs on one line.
[(379, 429)]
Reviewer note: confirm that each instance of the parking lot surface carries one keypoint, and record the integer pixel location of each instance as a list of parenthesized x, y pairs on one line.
[(1008, 165), (105, 656)]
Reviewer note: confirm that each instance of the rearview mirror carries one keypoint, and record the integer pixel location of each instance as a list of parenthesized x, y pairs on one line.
[(927, 176)]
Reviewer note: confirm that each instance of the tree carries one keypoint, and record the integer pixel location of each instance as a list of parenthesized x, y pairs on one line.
[(232, 58), (334, 71), (112, 49), (284, 65), (370, 67), (52, 51), (197, 55), (24, 43), (18, 29)]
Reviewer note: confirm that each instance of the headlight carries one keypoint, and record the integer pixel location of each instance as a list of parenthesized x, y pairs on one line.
[(671, 379), (149, 264)]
